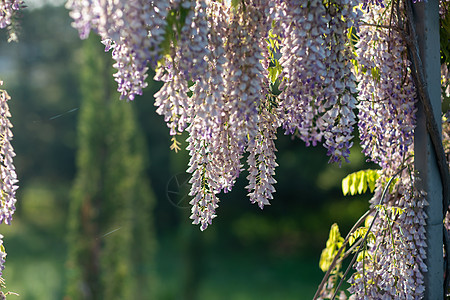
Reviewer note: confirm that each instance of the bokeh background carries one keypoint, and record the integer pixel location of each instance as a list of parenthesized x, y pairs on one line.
[(246, 254)]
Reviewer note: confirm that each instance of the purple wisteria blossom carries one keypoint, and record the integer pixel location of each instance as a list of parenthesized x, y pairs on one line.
[(2, 256), (9, 180), (193, 43), (172, 100), (393, 263), (226, 97), (261, 159), (7, 10), (244, 71), (208, 163), (387, 94), (318, 88), (301, 28), (133, 29)]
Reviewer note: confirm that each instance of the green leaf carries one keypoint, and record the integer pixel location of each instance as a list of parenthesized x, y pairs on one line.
[(362, 186), (368, 221), (334, 243), (358, 182), (396, 210), (372, 179), (235, 3), (346, 185), (353, 179), (359, 233)]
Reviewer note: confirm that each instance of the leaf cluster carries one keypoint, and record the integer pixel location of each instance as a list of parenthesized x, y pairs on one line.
[(334, 243), (444, 33), (358, 182)]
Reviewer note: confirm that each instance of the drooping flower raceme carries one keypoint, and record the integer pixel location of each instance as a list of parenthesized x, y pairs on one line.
[(392, 265), (245, 77), (133, 30), (387, 94), (318, 88), (226, 96), (2, 256), (137, 44), (8, 183), (7, 10), (9, 180), (172, 100), (261, 159), (206, 167), (301, 27)]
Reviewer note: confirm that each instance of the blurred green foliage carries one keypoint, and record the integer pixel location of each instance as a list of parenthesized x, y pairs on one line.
[(111, 234)]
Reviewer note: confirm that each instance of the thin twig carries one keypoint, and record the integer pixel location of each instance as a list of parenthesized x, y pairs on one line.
[(336, 258), (350, 250)]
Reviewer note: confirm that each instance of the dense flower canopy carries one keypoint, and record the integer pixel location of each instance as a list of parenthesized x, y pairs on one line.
[(8, 174), (234, 72)]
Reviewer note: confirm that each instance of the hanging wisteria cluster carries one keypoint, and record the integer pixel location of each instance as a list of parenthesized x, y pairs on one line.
[(387, 94), (7, 11), (318, 87), (234, 72), (214, 59), (393, 263), (8, 181)]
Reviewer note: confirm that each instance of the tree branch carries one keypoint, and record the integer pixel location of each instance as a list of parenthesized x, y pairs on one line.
[(336, 258), (424, 98), (432, 128)]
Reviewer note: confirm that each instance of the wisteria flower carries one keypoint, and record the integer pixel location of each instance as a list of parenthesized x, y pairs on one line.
[(9, 180)]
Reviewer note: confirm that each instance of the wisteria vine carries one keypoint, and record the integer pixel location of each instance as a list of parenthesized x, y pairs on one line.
[(234, 72), (8, 183)]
